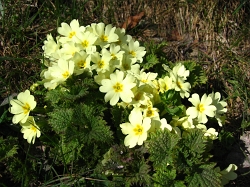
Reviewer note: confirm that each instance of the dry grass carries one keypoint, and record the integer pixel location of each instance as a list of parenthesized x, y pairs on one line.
[(214, 33)]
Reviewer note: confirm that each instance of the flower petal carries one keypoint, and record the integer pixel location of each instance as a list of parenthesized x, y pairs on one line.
[(195, 99), (142, 138), (127, 128), (192, 112), (210, 110), (18, 117), (114, 99), (130, 140)]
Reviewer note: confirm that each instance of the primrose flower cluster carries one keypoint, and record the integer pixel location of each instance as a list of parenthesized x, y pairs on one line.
[(21, 108), (113, 59), (95, 47)]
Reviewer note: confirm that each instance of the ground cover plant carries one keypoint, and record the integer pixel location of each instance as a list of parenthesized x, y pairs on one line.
[(170, 92)]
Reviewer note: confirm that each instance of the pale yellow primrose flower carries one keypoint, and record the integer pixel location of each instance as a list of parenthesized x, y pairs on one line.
[(69, 32), (50, 46), (134, 50), (181, 86), (220, 107), (116, 54), (146, 78), (211, 133), (186, 122), (58, 73), (22, 106), (128, 64), (82, 62), (85, 40), (101, 62), (178, 75), (30, 130), (106, 34), (123, 38), (68, 50), (136, 130), (165, 125), (99, 77), (202, 108), (180, 71), (118, 87), (164, 84), (151, 112), (141, 95), (157, 123)]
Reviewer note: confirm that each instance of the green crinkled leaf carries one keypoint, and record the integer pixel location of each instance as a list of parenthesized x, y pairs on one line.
[(70, 150), (151, 60), (208, 177), (60, 119), (7, 148), (78, 89), (171, 96), (91, 119), (197, 75), (172, 102), (64, 95), (140, 177), (174, 111), (161, 147), (194, 141), (167, 177), (192, 151)]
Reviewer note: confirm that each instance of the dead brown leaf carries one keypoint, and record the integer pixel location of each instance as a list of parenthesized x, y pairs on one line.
[(132, 21)]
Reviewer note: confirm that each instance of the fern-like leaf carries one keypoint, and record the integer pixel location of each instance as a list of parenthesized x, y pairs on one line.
[(8, 148), (151, 60), (207, 177), (197, 75), (60, 119), (161, 147)]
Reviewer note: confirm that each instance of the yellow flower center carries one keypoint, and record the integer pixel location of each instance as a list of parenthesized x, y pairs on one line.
[(166, 87), (85, 43), (126, 66), (144, 80), (81, 64), (200, 107), (104, 38), (113, 56), (150, 112), (132, 53), (71, 34), (138, 96), (26, 108), (34, 129), (101, 64), (179, 84), (138, 130), (65, 74), (118, 87)]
